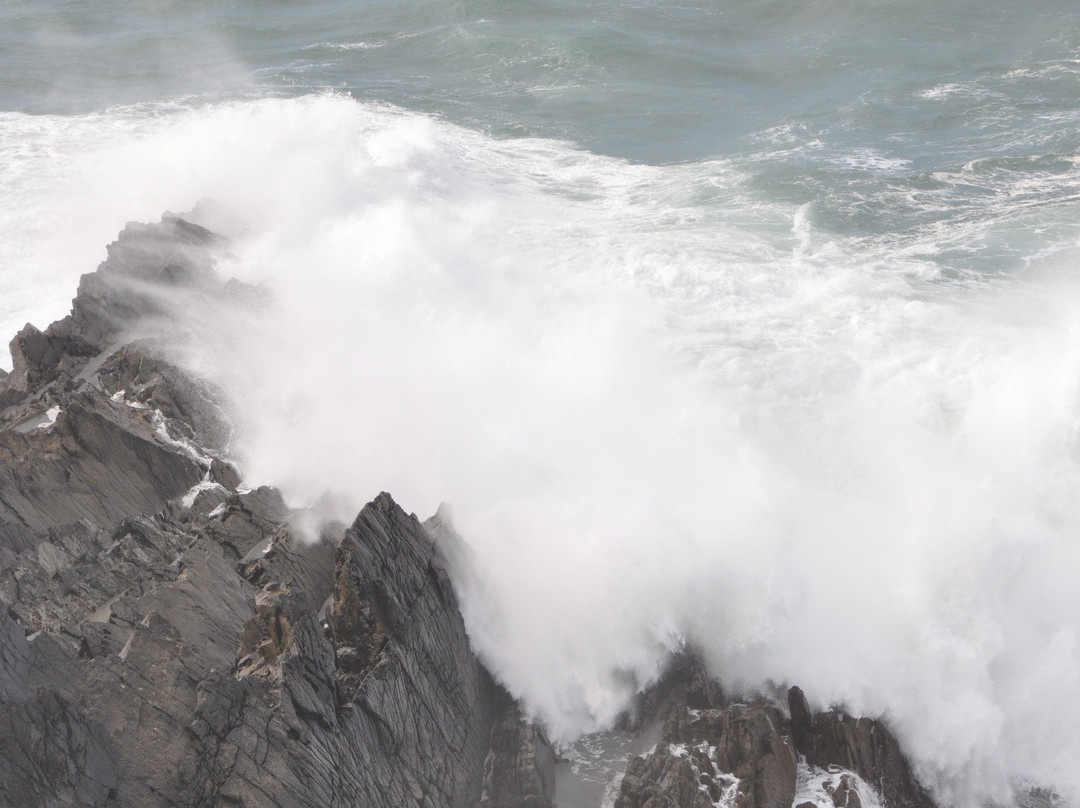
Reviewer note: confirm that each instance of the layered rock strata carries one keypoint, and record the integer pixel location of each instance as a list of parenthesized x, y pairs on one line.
[(166, 639)]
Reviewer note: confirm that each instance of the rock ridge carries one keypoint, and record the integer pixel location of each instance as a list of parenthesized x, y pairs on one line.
[(167, 638)]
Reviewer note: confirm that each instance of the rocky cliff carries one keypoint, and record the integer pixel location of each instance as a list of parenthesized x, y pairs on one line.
[(166, 638)]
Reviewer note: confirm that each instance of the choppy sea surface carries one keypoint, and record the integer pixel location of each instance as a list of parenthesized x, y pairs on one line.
[(749, 324)]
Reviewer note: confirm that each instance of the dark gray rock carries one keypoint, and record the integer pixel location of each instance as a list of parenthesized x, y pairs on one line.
[(685, 683), (665, 780), (167, 645), (756, 746), (51, 754), (402, 650), (862, 745), (38, 358), (70, 472), (519, 771), (160, 386), (141, 264), (709, 749), (846, 793), (749, 743)]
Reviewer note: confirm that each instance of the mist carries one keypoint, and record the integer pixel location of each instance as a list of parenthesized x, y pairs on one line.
[(822, 465), (116, 52)]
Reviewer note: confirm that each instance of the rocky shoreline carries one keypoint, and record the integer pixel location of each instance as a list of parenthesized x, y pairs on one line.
[(167, 638)]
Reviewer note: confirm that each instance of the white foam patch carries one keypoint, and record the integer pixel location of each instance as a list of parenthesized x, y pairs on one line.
[(349, 46), (663, 410), (50, 417), (817, 785), (728, 783), (206, 484), (44, 421), (873, 160)]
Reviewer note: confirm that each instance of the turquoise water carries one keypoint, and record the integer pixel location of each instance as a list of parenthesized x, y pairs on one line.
[(745, 323), (937, 83), (887, 117)]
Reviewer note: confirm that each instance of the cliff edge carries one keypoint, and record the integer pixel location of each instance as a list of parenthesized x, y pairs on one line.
[(166, 639)]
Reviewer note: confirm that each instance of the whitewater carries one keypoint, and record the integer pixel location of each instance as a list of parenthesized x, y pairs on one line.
[(753, 326)]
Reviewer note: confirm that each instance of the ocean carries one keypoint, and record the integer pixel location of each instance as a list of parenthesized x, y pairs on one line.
[(749, 325)]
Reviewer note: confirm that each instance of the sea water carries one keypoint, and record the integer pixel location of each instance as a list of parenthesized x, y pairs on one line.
[(752, 325)]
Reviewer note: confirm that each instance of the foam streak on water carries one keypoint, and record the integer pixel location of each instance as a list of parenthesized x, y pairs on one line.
[(782, 359)]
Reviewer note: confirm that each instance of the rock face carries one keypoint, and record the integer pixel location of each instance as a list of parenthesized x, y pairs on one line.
[(519, 771), (166, 639)]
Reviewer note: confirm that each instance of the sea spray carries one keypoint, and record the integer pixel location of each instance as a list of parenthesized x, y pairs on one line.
[(664, 408)]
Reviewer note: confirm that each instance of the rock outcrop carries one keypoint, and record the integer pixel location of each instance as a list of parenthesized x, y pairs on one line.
[(166, 639), (861, 745), (753, 756), (739, 753)]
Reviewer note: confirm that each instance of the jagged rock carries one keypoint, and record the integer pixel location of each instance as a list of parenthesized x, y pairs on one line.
[(38, 357), (862, 745), (69, 472), (663, 780), (749, 744), (248, 519), (401, 649), (163, 641), (846, 794), (127, 286), (757, 747), (709, 749), (50, 753), (173, 254), (802, 720), (162, 387), (685, 683)]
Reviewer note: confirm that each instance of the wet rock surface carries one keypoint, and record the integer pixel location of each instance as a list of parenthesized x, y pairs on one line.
[(167, 639), (862, 745), (754, 756)]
